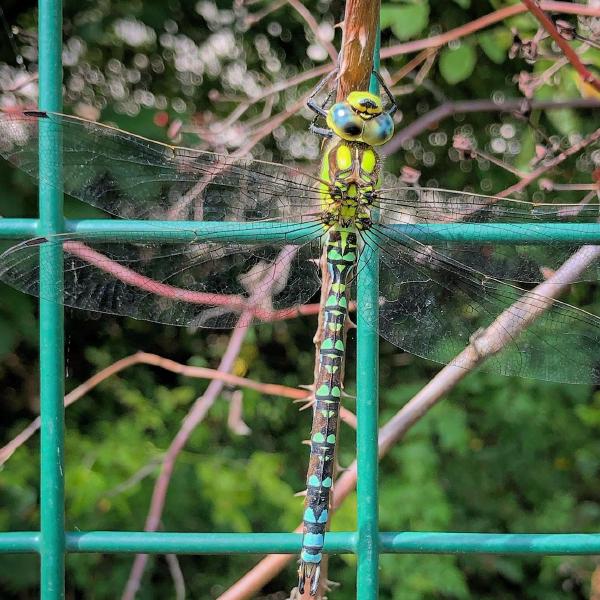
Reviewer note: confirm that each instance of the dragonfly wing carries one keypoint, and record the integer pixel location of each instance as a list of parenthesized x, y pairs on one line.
[(136, 178), (525, 262), (434, 307), (199, 284)]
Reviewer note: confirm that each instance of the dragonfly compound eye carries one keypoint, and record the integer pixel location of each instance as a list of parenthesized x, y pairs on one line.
[(344, 122), (379, 130)]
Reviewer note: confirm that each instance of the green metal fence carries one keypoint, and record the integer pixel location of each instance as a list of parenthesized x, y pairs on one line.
[(52, 542)]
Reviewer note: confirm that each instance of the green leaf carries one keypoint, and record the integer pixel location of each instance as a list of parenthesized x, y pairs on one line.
[(463, 3), (495, 44), (405, 20), (566, 120), (457, 64)]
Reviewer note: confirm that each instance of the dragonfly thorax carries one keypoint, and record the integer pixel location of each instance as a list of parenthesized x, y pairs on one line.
[(349, 174)]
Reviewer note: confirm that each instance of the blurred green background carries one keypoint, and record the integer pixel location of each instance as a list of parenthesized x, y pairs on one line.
[(496, 455)]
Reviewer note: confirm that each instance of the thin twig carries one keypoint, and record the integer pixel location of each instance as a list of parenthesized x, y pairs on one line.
[(164, 363), (550, 164), (314, 27), (177, 576), (449, 109)]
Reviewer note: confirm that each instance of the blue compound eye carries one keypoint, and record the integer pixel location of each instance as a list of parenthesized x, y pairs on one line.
[(344, 122), (378, 130)]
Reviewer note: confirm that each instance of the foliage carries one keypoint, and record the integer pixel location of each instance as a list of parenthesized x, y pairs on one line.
[(498, 454)]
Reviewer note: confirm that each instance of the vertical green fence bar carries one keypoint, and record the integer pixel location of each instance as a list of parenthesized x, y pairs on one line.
[(367, 412), (52, 520)]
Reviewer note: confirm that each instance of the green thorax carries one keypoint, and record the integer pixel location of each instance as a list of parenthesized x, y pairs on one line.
[(349, 176)]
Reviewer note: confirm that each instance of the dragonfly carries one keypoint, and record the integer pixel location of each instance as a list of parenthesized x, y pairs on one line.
[(219, 241)]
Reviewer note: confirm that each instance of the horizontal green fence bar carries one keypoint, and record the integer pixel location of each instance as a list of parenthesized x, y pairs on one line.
[(19, 541), (489, 543), (289, 543), (18, 228), (201, 543), (186, 231)]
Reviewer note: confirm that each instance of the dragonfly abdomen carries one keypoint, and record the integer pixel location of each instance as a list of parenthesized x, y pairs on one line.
[(341, 251)]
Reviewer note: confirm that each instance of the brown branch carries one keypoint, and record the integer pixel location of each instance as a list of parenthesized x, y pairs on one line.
[(411, 65), (572, 56), (482, 22), (360, 22)]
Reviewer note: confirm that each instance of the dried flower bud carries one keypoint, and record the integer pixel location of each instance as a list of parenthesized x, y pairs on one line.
[(546, 185), (464, 145), (528, 50), (527, 84), (566, 29), (516, 44), (541, 151), (410, 175)]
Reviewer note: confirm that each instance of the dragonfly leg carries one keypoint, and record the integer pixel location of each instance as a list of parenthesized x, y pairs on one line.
[(311, 102), (322, 131), (388, 93)]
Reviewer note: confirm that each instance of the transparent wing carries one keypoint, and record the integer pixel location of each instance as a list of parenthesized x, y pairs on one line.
[(199, 284), (524, 262), (433, 306), (135, 178)]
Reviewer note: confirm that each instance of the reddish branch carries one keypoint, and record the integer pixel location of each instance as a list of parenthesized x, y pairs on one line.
[(234, 303), (545, 21), (146, 358), (550, 164), (442, 39)]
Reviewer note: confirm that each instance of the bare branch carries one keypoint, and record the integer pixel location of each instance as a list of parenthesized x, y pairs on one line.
[(164, 363), (510, 105), (191, 421), (437, 41)]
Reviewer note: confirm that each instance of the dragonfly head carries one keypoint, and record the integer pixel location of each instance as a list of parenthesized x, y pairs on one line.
[(361, 118)]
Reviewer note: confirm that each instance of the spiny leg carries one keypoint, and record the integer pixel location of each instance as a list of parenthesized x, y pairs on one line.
[(388, 93), (311, 102)]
